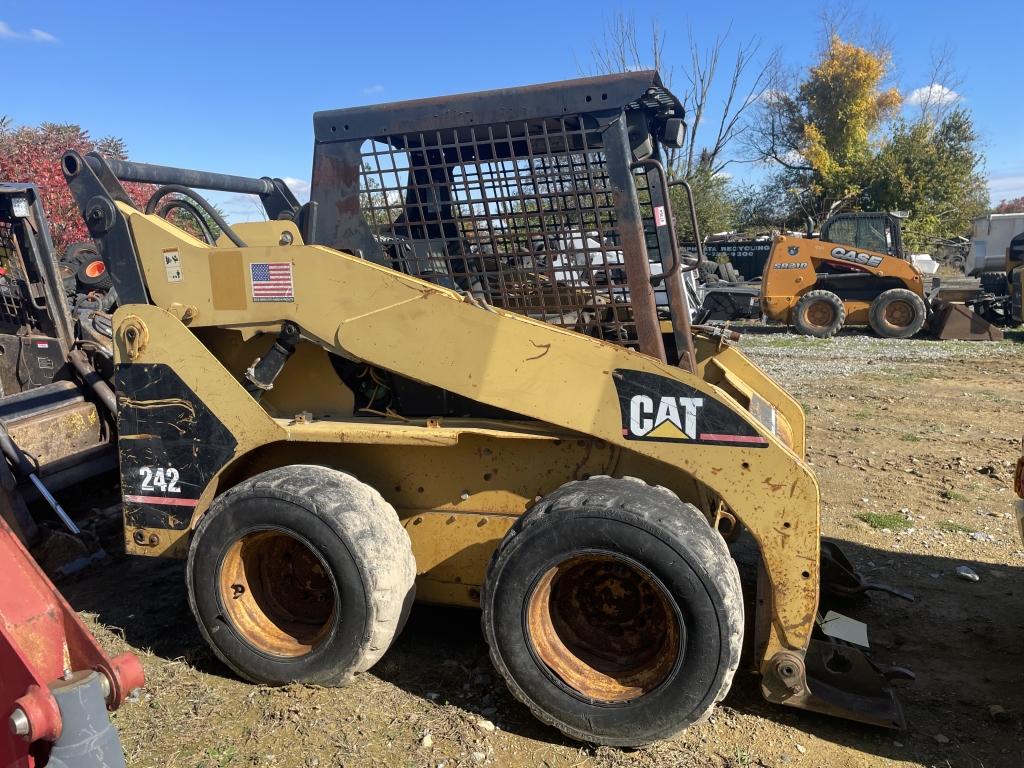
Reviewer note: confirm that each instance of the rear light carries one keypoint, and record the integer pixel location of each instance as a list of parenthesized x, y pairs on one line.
[(20, 207), (765, 413)]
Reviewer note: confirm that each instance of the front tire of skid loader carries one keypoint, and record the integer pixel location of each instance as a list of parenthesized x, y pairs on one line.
[(614, 612), (897, 314), (300, 574), (819, 313)]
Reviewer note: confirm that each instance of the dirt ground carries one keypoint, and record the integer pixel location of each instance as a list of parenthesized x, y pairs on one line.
[(913, 443)]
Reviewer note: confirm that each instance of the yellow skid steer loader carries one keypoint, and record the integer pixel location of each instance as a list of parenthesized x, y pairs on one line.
[(465, 370)]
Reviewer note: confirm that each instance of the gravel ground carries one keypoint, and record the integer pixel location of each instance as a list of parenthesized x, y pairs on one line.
[(791, 357)]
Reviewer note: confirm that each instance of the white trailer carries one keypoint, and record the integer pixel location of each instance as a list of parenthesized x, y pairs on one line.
[(990, 237)]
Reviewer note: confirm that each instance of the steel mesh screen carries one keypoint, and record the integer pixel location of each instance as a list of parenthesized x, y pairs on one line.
[(519, 215), (12, 309)]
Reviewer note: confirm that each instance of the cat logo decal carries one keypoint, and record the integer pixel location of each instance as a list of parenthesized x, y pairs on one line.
[(662, 409)]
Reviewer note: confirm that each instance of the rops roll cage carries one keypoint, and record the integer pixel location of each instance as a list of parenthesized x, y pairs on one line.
[(573, 166)]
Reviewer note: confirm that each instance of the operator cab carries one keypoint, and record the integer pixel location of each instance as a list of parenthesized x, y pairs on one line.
[(866, 231)]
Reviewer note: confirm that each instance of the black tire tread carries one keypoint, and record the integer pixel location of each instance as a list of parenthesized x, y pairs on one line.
[(628, 494), (875, 318), (103, 283), (819, 295), (372, 531)]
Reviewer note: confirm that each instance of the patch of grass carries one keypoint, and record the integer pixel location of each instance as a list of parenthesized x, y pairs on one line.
[(221, 756), (904, 376), (863, 414), (950, 495), (877, 520), (910, 437), (951, 527)]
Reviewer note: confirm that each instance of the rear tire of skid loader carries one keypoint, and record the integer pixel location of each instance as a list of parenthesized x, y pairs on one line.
[(614, 612), (300, 574), (819, 313), (897, 314)]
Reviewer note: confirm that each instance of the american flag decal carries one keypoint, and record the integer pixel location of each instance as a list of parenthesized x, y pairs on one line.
[(272, 282)]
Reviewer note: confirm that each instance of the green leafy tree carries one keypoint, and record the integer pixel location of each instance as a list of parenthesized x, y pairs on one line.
[(823, 131), (843, 109), (932, 169), (715, 202), (837, 142), (782, 202)]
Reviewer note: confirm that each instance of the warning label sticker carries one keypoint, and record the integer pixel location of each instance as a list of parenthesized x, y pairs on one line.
[(172, 264)]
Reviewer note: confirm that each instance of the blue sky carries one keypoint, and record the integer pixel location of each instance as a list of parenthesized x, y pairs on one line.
[(232, 86)]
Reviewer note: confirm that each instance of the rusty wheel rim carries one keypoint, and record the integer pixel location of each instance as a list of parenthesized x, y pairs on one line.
[(95, 268), (821, 314), (277, 592), (605, 626), (899, 314)]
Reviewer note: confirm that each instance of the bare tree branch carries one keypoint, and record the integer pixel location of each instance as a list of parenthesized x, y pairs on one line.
[(940, 95), (774, 132), (620, 49)]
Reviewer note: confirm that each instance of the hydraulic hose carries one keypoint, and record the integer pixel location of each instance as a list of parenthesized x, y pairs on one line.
[(169, 189), (192, 209)]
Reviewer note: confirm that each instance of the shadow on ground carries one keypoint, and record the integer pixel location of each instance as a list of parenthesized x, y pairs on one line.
[(962, 639)]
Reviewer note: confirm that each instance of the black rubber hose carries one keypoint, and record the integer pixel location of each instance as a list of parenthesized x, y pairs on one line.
[(193, 210), (169, 189), (80, 362)]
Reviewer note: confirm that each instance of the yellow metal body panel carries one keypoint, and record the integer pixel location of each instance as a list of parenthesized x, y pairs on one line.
[(307, 384), (421, 331), (454, 548), (789, 274)]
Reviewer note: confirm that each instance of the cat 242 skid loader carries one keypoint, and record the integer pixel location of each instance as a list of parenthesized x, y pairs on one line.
[(406, 384)]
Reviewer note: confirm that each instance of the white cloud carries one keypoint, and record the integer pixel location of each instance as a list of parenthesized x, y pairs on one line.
[(299, 187), (35, 35), (372, 89), (792, 157), (772, 96), (935, 94), (41, 37)]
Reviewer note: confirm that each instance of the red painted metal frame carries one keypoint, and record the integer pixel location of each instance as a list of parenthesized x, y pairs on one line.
[(41, 638)]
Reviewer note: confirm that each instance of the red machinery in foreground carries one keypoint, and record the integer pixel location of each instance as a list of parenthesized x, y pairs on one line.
[(56, 426), (56, 683)]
